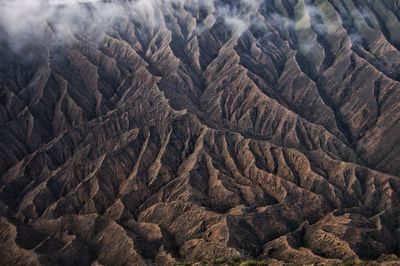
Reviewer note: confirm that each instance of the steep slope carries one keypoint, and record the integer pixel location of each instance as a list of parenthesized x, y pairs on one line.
[(199, 129)]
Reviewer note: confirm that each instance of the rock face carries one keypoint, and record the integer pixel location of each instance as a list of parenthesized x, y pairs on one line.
[(265, 129)]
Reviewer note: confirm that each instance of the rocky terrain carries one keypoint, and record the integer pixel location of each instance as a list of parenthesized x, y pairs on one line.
[(195, 129)]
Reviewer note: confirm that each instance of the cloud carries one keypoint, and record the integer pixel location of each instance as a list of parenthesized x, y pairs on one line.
[(239, 16), (60, 21), (307, 23), (26, 21)]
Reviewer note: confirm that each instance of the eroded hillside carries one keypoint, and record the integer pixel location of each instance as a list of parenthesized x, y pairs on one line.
[(203, 129)]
